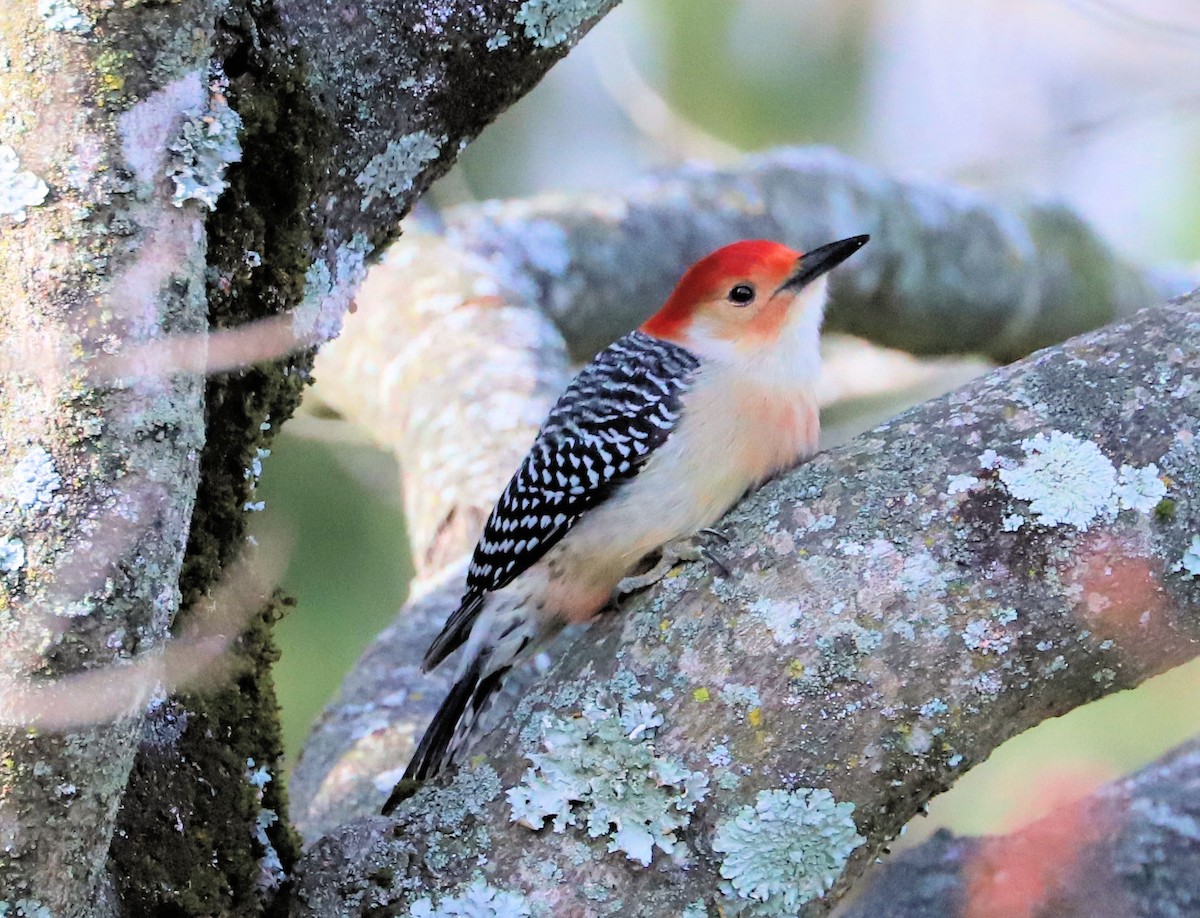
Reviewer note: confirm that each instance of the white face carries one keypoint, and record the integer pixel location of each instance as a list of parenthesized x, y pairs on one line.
[(779, 344)]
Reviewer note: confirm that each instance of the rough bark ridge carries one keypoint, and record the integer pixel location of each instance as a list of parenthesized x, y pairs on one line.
[(177, 168), (990, 559)]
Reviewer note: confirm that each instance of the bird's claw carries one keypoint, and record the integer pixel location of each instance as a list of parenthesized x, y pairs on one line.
[(671, 554)]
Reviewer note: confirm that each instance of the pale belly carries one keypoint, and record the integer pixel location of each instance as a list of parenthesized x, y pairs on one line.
[(740, 437)]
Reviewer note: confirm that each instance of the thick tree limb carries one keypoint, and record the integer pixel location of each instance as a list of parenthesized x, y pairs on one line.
[(1131, 848), (897, 608), (946, 271), (98, 482), (128, 121)]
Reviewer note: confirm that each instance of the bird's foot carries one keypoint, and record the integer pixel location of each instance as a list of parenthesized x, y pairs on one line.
[(671, 554)]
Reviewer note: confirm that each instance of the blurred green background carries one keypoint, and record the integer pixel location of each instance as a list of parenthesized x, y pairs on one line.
[(1091, 103)]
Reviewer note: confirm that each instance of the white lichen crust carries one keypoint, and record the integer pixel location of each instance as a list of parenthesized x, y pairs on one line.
[(477, 900), (601, 769), (206, 145), (34, 480), (63, 16), (1189, 564), (12, 554), (786, 850), (1069, 481), (19, 189)]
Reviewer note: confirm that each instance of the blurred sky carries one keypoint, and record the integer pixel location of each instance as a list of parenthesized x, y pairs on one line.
[(1092, 102)]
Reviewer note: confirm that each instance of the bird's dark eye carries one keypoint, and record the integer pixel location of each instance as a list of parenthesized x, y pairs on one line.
[(741, 295)]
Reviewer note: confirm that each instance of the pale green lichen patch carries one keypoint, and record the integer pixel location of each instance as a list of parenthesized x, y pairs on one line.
[(34, 480), (24, 908), (63, 16), (392, 173), (270, 868), (207, 143), (743, 697), (601, 770), (840, 654), (12, 555), (477, 900), (551, 22), (440, 815), (19, 189), (1069, 481), (329, 293), (149, 125), (448, 821), (1189, 564), (785, 851)]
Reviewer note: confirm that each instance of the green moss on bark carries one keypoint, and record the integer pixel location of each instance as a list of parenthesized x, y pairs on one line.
[(186, 841)]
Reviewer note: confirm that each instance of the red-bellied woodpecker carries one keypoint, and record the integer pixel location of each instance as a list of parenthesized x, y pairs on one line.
[(655, 439)]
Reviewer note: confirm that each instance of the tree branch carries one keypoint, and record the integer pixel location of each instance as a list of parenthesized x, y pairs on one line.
[(897, 608), (98, 481), (471, 293), (947, 271), (1128, 849), (448, 365)]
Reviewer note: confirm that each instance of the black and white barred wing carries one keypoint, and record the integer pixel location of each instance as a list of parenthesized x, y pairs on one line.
[(603, 428)]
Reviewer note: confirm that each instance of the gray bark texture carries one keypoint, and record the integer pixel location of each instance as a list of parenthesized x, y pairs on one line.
[(185, 187), (98, 482), (896, 608), (1130, 849)]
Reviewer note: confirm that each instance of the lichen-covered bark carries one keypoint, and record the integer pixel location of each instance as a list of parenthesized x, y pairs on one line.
[(307, 136), (896, 608), (98, 480), (1130, 849), (947, 271)]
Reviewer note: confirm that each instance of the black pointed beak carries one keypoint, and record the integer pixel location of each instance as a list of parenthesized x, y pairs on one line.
[(817, 262)]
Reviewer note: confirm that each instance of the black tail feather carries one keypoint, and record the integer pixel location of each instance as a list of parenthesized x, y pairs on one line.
[(431, 751), (466, 702), (454, 632), (432, 748)]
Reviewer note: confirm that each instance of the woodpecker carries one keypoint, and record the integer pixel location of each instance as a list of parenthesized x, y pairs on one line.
[(653, 441)]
